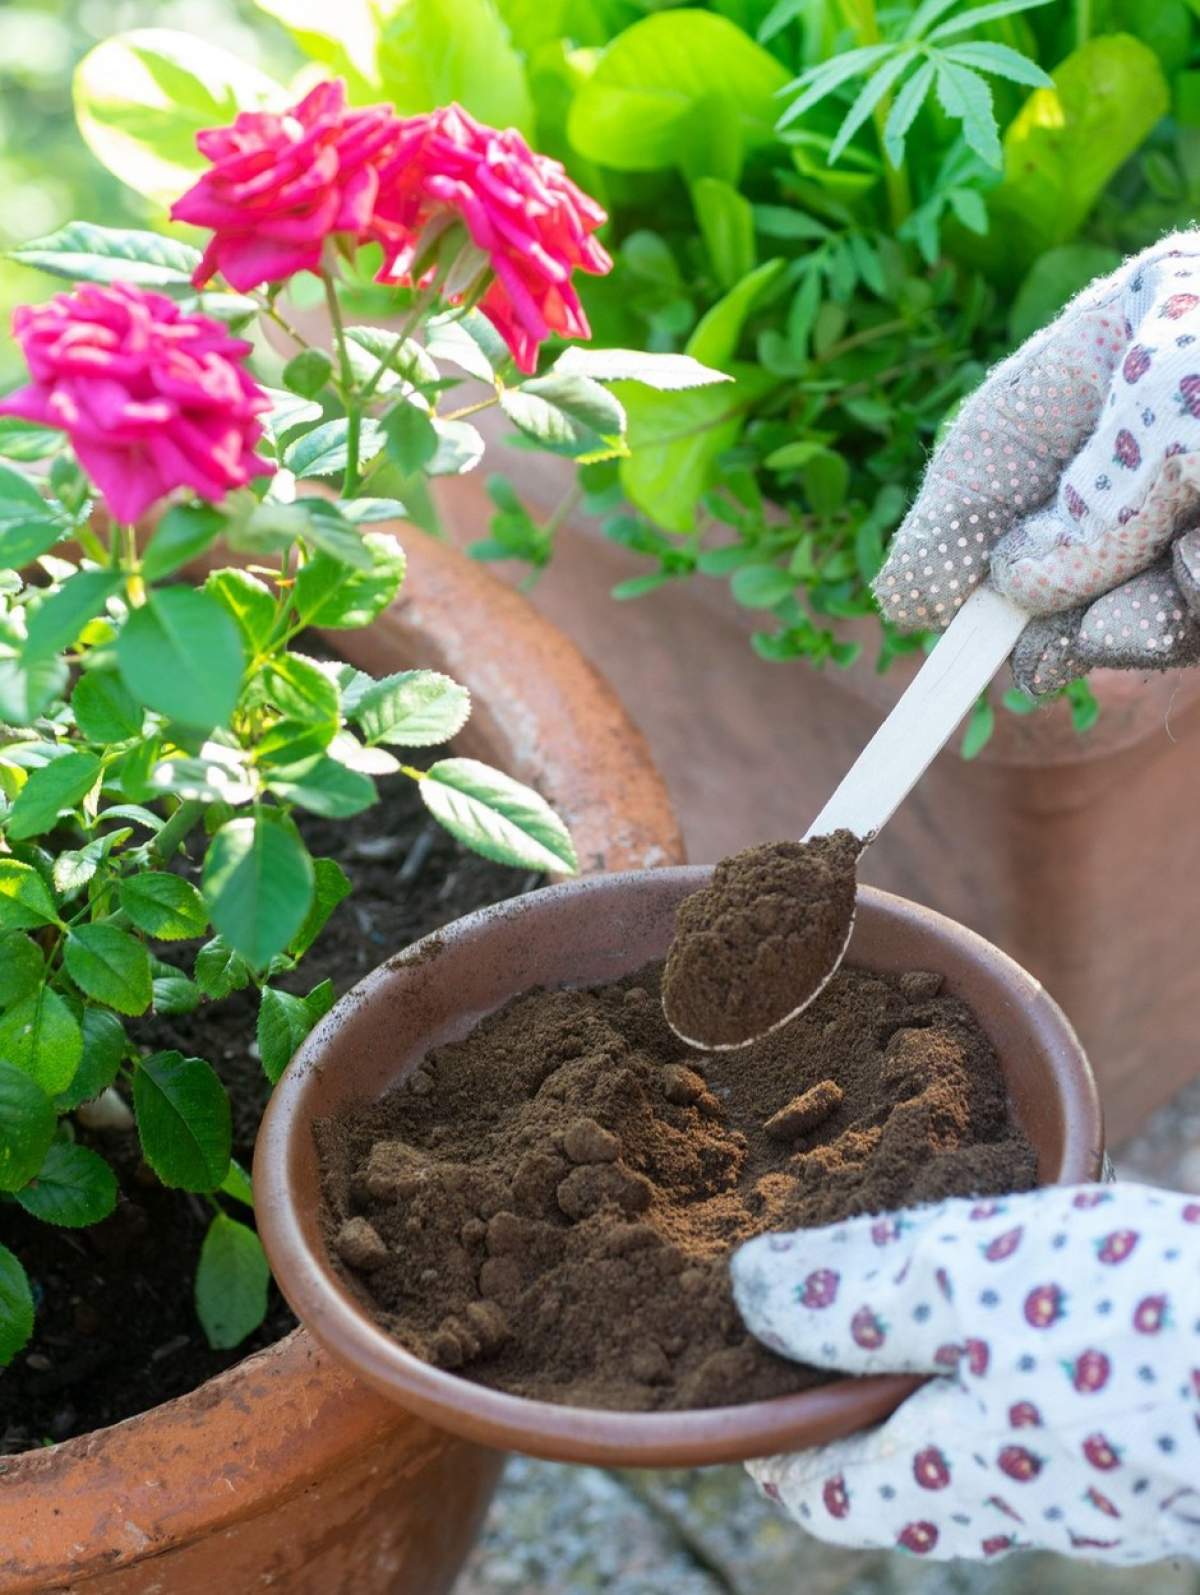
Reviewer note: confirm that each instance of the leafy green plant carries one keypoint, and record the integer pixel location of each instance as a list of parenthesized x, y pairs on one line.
[(158, 737)]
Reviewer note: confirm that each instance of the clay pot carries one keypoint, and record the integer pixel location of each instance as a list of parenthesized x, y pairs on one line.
[(595, 931), (286, 1471), (1076, 854)]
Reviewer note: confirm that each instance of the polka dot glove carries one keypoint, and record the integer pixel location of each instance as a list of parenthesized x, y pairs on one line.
[(1071, 478), (1063, 1327)]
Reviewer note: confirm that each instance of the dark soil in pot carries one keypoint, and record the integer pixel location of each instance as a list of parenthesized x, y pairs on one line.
[(117, 1331), (548, 1207)]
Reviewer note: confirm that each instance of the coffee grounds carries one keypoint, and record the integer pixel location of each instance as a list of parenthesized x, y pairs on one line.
[(548, 1207), (753, 946)]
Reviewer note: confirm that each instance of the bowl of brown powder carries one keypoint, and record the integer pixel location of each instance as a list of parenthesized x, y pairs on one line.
[(498, 1186)]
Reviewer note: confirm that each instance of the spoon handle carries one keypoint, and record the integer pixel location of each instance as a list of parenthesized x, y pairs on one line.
[(968, 654)]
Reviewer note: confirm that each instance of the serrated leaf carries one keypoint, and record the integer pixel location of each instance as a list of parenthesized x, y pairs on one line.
[(869, 96), (175, 994), (325, 450), (105, 710), (287, 411), (497, 816), (1001, 59), (215, 776), (220, 970), (247, 600), (411, 439), (181, 653), (164, 905), (978, 15), (73, 1187), (307, 373), (85, 252), (16, 1307), (460, 449), (110, 965), (469, 342), (980, 725), (57, 622), (183, 1120), (330, 887), (364, 511), (301, 690), (27, 1126), (258, 884), (283, 1023), (666, 372), (370, 347), (25, 441), (328, 530), (22, 967), (330, 594), (40, 1036), (232, 1276), (26, 690), (105, 1045), (323, 786), (904, 109), (237, 1184), (413, 709), (966, 97), (348, 750), (25, 901), (569, 415), (23, 541), (183, 533), (48, 791)]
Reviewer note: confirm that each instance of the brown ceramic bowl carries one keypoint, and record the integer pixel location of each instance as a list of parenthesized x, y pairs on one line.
[(584, 933)]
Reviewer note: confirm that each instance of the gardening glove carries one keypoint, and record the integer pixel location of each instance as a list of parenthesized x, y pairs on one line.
[(1071, 479), (1063, 1330)]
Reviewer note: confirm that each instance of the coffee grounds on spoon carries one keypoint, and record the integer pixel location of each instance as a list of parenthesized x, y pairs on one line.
[(755, 944), (548, 1207)]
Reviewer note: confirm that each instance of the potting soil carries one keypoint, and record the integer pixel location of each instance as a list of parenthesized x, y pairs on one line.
[(754, 945), (548, 1206)]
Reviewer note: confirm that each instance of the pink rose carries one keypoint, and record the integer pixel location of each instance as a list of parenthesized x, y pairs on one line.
[(151, 398), (281, 183), (529, 223)]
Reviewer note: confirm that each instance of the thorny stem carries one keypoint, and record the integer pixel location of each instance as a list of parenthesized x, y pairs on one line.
[(471, 409), (353, 409)]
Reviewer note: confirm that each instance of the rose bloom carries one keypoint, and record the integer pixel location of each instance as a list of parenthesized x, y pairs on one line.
[(152, 398), (529, 222), (281, 183)]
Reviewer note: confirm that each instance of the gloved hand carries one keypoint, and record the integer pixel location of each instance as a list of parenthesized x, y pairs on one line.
[(1072, 473), (1063, 1326)]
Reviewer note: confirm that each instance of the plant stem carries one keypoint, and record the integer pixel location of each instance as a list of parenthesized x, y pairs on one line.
[(402, 337), (135, 588), (1083, 22), (187, 815), (349, 398), (471, 409), (861, 16), (269, 310)]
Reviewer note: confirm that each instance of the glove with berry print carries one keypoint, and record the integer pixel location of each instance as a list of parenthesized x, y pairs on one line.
[(1071, 480), (1062, 1328)]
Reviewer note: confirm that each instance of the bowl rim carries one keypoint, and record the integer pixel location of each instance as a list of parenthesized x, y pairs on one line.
[(694, 1437)]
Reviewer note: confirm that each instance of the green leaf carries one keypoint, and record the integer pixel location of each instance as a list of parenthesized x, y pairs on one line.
[(470, 342), (217, 776), (75, 867), (1052, 280), (307, 373), (283, 1023), (966, 97), (110, 965), (183, 533), (761, 586), (73, 1187), (440, 52), (164, 905), (237, 1184), (411, 439), (21, 967), (666, 372), (363, 511), (327, 529), (220, 970), (715, 337), (287, 411), (978, 15), (820, 81), (16, 1307), (1003, 60), (26, 441), (568, 415), (40, 1036), (248, 601), (460, 449), (413, 709), (496, 816), (1063, 147), (181, 653), (20, 498), (105, 709), (58, 621), (231, 1283), (323, 786), (183, 1120), (27, 1126), (27, 689), (370, 347), (907, 103), (21, 542), (726, 221), (869, 96), (826, 479), (301, 690), (84, 252), (105, 1045), (55, 787), (980, 725), (141, 98), (330, 887), (1085, 709), (175, 994), (258, 884), (676, 440), (636, 111), (325, 450), (329, 594)]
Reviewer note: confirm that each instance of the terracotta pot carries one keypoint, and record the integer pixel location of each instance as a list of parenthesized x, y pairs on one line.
[(285, 1472), (1076, 854), (594, 931)]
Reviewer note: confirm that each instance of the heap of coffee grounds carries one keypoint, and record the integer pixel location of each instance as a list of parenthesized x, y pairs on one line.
[(753, 946), (549, 1206)]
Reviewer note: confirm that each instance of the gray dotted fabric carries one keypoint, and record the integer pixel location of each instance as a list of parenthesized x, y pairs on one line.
[(1070, 471)]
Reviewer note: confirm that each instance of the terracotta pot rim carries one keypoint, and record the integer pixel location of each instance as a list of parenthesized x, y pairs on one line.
[(290, 1228)]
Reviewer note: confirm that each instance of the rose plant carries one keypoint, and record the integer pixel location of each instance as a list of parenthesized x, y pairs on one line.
[(157, 737)]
